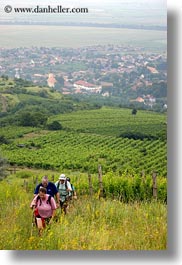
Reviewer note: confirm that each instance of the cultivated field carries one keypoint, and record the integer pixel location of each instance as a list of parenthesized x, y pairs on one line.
[(62, 36), (112, 137), (129, 218)]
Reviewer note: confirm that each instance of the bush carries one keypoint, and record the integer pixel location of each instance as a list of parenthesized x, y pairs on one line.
[(138, 136), (3, 140), (54, 126), (134, 111), (33, 119)]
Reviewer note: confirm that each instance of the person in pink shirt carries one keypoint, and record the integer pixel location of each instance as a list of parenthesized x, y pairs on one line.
[(44, 206)]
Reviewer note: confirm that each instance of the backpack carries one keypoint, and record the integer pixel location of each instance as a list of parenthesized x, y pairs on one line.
[(66, 186), (71, 192), (39, 199)]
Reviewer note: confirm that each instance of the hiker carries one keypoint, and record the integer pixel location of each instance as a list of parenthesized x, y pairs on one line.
[(44, 207), (50, 187), (64, 187), (72, 194)]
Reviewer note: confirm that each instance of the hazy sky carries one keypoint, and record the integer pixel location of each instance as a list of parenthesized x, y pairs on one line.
[(159, 3), (153, 12)]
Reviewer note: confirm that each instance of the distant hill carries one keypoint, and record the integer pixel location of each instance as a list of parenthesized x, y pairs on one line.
[(91, 24), (19, 96)]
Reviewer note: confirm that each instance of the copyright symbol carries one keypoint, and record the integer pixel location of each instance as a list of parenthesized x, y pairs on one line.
[(8, 9)]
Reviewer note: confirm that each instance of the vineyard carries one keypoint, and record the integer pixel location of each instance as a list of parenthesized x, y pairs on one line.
[(129, 148), (106, 136)]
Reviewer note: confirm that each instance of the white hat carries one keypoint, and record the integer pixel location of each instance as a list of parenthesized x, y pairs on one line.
[(62, 176)]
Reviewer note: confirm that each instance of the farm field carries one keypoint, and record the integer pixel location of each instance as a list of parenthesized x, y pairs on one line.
[(128, 218), (105, 136), (62, 36)]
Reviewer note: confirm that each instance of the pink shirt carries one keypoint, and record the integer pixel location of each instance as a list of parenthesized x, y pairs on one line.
[(45, 209)]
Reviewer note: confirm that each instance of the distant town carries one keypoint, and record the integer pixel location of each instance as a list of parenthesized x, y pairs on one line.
[(108, 70)]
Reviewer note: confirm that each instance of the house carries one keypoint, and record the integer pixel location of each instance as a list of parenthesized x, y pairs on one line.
[(51, 80), (152, 70), (106, 94), (138, 99), (83, 85), (150, 100)]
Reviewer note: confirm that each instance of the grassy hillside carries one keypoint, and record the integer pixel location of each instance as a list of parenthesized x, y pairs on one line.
[(17, 91), (128, 148), (91, 224), (19, 96)]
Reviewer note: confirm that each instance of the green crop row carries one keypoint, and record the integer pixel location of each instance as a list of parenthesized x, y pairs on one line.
[(89, 138), (126, 187), (114, 122), (83, 152)]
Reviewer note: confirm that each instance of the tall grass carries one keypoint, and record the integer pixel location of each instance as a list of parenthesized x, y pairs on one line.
[(91, 224)]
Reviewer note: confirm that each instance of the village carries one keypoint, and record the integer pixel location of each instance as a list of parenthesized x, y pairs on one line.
[(107, 70)]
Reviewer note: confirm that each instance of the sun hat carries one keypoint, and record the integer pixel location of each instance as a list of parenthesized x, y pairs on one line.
[(62, 176)]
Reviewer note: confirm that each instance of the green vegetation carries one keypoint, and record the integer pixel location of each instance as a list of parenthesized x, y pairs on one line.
[(47, 133), (24, 104), (112, 137), (91, 224), (34, 134), (3, 168)]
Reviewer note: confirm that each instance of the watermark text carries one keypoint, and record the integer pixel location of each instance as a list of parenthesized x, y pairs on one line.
[(48, 9)]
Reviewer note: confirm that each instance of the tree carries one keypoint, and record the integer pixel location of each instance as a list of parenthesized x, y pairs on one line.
[(33, 119), (3, 140), (134, 111), (60, 80), (55, 125), (159, 89)]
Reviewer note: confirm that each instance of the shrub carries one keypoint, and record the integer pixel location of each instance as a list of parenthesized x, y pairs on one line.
[(54, 126), (3, 140)]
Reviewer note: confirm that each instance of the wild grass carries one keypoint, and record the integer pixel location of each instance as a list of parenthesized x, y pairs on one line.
[(91, 224)]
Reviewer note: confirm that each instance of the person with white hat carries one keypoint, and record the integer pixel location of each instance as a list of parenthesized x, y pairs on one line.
[(64, 187)]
